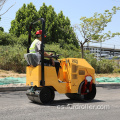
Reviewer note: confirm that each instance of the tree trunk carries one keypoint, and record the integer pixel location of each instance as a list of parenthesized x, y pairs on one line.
[(82, 51)]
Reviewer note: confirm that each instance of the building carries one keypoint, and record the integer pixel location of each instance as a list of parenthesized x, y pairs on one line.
[(102, 52)]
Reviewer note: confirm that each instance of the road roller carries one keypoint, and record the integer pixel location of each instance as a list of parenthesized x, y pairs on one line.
[(74, 77)]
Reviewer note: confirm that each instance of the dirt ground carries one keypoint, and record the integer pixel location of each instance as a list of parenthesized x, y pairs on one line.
[(107, 75), (4, 73)]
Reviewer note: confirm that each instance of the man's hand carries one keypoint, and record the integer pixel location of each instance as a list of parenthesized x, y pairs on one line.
[(53, 63), (51, 54)]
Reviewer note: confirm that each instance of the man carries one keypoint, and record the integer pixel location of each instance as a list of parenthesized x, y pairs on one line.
[(36, 47)]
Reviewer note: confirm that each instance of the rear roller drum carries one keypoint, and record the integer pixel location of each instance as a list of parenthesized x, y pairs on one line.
[(85, 93)]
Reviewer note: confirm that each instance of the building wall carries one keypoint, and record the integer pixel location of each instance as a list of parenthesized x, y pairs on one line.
[(102, 52)]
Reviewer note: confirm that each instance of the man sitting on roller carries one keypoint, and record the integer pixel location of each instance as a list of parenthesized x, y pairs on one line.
[(36, 47)]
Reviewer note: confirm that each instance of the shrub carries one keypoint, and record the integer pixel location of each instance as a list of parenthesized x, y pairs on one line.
[(105, 66), (91, 59), (12, 58), (116, 70), (23, 40), (65, 52), (7, 39)]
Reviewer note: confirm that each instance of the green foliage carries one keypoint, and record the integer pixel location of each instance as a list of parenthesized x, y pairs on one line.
[(23, 40), (91, 59), (65, 52), (91, 29), (57, 26), (11, 39), (7, 39), (116, 70), (105, 66), (23, 19), (2, 29), (12, 58), (65, 31)]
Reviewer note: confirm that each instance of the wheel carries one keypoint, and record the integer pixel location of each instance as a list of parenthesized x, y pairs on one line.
[(84, 93), (46, 95)]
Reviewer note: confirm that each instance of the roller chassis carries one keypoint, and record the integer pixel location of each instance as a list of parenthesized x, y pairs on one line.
[(46, 94)]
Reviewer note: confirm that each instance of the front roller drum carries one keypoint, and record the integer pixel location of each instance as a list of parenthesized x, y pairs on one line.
[(45, 95), (84, 93)]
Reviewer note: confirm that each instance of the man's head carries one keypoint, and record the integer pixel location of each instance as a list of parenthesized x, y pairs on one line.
[(39, 34)]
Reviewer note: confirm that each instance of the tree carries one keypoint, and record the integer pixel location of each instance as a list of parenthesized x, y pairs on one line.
[(50, 17), (2, 2), (23, 19), (65, 31), (57, 27), (91, 29), (43, 11), (2, 29)]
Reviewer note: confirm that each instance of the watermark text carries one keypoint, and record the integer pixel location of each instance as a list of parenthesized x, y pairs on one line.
[(84, 107)]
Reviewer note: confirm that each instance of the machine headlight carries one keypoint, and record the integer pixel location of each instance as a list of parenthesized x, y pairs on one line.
[(88, 78)]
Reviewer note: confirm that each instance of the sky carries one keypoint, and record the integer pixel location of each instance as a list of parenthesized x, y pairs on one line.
[(74, 10)]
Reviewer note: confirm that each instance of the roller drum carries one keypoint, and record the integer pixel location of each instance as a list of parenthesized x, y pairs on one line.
[(44, 95)]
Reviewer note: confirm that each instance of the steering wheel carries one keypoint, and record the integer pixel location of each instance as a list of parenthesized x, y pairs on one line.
[(55, 56)]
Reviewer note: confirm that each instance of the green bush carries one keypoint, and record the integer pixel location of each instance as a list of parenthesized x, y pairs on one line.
[(23, 40), (91, 59), (2, 29), (10, 39), (12, 58), (105, 66), (65, 52), (116, 70), (7, 38)]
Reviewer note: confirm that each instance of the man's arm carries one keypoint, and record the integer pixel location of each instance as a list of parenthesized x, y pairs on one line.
[(47, 55), (38, 49)]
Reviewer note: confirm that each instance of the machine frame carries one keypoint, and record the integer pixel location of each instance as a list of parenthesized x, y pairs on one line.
[(42, 82)]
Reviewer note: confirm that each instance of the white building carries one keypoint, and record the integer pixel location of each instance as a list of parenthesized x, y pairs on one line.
[(103, 52)]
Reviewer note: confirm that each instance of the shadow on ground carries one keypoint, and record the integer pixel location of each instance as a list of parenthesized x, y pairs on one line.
[(65, 102)]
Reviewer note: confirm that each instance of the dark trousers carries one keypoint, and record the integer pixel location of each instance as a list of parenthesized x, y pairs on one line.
[(49, 62)]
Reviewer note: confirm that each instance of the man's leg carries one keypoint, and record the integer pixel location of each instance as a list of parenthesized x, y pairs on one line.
[(48, 62), (57, 66)]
